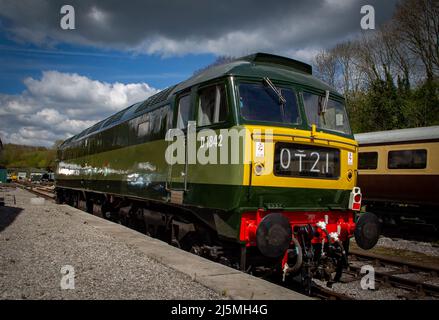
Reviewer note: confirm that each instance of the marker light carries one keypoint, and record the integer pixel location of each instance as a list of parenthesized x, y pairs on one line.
[(259, 168), (355, 199)]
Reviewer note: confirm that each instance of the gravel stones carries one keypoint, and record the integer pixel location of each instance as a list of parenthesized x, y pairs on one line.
[(36, 241)]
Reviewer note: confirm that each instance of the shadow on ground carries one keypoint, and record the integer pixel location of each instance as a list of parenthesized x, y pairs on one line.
[(8, 215)]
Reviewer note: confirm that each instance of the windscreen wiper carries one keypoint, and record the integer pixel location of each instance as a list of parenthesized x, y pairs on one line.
[(324, 106), (282, 100)]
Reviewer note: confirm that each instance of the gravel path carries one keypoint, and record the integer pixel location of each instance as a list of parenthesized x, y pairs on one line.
[(36, 241)]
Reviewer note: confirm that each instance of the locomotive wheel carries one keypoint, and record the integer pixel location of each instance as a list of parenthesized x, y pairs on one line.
[(367, 231), (273, 236)]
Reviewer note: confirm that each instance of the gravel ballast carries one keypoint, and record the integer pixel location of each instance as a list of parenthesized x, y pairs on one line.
[(37, 240), (415, 246)]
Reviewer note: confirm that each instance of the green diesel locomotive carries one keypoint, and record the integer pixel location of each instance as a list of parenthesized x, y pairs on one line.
[(251, 163)]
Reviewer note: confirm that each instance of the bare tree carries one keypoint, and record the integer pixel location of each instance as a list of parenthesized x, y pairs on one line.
[(381, 54), (350, 76), (368, 56), (403, 61), (417, 22), (326, 67), (339, 67)]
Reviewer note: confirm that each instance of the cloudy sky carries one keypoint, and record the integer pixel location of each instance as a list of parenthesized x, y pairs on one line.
[(55, 83)]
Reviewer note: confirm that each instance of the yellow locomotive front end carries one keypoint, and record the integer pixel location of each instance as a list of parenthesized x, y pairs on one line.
[(300, 168)]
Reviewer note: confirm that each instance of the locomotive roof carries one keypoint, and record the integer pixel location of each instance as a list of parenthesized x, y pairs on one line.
[(257, 65), (260, 65), (398, 136)]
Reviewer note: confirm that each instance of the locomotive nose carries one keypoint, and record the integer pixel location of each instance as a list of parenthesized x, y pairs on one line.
[(273, 235)]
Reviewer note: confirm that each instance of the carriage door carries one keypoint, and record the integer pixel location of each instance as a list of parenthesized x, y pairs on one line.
[(177, 174)]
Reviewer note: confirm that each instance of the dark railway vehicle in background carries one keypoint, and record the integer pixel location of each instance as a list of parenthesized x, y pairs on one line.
[(289, 204), (399, 176)]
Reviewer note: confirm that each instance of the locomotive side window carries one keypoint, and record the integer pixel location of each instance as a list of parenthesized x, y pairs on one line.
[(258, 102), (407, 159), (212, 105), (153, 124), (184, 108), (367, 160)]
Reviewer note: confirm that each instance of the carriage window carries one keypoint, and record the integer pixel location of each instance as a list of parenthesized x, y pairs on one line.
[(259, 103), (212, 106), (407, 159), (184, 107), (367, 160)]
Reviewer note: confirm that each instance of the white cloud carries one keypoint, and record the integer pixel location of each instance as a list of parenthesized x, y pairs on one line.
[(234, 43), (82, 92), (14, 105), (50, 116), (30, 136), (59, 105)]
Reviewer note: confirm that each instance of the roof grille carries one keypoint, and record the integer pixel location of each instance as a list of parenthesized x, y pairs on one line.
[(95, 127), (114, 118), (157, 98)]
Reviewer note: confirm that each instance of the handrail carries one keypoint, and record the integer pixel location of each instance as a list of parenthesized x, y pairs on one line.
[(306, 137)]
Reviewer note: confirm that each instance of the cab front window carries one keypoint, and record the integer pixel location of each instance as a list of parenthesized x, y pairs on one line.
[(258, 102), (334, 118)]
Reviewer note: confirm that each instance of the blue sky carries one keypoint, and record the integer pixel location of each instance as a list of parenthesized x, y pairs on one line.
[(55, 83), (21, 60)]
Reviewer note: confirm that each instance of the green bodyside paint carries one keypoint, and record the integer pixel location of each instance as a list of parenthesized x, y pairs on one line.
[(224, 201), (145, 163)]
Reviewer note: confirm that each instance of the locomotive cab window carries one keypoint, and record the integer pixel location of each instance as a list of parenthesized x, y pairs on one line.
[(407, 159), (259, 102), (367, 160), (184, 108), (334, 118), (212, 105)]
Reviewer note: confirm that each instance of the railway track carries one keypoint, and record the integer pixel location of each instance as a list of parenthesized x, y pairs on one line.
[(326, 294), (317, 291), (397, 273), (47, 192)]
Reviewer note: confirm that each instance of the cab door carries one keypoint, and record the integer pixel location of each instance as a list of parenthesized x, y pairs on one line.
[(177, 172)]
